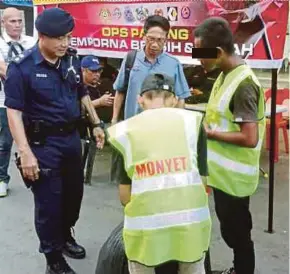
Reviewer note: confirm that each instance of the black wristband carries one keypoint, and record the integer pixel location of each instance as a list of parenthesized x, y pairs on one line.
[(101, 125)]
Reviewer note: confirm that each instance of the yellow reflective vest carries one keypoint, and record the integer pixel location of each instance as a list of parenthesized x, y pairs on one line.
[(232, 169), (167, 217)]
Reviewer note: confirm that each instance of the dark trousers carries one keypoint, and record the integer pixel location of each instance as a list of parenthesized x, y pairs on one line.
[(58, 192), (236, 225)]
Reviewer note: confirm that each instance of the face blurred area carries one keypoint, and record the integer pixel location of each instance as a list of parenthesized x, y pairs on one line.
[(91, 77), (12, 22), (55, 47), (208, 64), (155, 40)]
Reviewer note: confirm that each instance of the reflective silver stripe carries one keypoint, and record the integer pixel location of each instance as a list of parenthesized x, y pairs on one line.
[(226, 97), (166, 181), (165, 220), (231, 165), (121, 137)]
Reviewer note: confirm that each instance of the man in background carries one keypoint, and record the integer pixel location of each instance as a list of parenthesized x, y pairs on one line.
[(12, 43), (100, 90), (200, 82)]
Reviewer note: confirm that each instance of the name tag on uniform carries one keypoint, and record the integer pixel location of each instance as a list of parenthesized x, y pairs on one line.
[(41, 75)]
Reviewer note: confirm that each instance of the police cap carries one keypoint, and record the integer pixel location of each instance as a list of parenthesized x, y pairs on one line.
[(54, 22)]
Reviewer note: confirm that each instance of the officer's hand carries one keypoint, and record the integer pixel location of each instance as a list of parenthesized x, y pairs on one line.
[(100, 137), (29, 165), (107, 100)]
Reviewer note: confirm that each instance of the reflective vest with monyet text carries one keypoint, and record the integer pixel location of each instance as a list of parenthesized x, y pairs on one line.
[(167, 217)]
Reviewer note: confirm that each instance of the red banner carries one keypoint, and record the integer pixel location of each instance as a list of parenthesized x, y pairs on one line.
[(112, 28)]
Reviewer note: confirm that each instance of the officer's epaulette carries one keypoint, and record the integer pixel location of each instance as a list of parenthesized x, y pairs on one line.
[(21, 57)]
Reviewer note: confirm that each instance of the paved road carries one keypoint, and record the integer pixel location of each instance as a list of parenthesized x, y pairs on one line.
[(101, 212)]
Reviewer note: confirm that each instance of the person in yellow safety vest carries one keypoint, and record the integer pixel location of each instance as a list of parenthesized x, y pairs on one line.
[(235, 125), (166, 205)]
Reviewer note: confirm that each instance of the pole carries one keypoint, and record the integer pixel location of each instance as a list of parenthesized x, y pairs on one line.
[(272, 150)]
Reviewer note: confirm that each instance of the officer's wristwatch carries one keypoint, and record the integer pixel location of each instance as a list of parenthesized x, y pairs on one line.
[(101, 125)]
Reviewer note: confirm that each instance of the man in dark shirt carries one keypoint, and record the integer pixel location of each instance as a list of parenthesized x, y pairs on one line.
[(102, 99), (109, 72), (200, 82)]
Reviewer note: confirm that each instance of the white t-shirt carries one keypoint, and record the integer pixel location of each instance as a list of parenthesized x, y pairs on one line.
[(25, 41)]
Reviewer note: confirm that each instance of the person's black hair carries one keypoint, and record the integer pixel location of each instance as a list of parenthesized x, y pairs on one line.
[(156, 21), (216, 32)]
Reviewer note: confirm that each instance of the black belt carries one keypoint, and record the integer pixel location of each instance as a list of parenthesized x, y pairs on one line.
[(60, 129), (40, 127)]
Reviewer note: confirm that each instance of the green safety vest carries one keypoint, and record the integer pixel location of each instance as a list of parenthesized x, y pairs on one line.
[(167, 217), (232, 169)]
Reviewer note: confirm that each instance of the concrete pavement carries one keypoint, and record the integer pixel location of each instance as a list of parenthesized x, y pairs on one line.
[(101, 212)]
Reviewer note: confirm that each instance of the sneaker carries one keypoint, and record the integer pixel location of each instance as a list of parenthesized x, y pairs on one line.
[(3, 189), (72, 249), (59, 267)]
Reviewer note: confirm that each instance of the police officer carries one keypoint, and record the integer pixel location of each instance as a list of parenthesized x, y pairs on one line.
[(43, 90)]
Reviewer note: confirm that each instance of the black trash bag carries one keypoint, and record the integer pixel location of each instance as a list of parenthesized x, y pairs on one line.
[(112, 258)]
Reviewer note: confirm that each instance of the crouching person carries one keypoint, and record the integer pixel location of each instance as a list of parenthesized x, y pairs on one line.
[(166, 206)]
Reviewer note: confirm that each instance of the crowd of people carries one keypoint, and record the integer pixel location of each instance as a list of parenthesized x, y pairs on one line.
[(164, 155)]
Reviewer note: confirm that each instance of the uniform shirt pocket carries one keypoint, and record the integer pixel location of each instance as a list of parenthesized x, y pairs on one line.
[(44, 90)]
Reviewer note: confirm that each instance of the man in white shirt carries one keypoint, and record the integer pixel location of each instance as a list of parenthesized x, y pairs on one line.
[(12, 43)]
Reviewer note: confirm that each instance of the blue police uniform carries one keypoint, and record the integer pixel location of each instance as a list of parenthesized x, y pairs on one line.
[(50, 94)]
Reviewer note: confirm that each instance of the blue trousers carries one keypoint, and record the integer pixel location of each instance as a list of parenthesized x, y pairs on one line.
[(58, 192), (6, 142)]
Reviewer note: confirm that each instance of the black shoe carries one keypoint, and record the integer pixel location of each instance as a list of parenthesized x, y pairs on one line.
[(73, 250), (227, 271), (59, 267)]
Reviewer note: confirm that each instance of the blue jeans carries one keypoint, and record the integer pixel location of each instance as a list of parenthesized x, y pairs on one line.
[(6, 141)]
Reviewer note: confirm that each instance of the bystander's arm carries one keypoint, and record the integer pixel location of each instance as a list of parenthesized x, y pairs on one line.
[(118, 102), (3, 68), (181, 87), (97, 103)]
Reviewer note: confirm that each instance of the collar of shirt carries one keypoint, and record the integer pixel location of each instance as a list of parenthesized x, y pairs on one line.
[(144, 58), (37, 56), (8, 39)]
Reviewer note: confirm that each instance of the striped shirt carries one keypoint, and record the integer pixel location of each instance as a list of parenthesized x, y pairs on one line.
[(6, 53)]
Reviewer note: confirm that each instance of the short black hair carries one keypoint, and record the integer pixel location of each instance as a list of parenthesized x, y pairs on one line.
[(216, 32), (156, 21)]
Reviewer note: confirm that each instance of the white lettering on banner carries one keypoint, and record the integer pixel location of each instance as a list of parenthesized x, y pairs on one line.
[(164, 220), (188, 47), (175, 47), (244, 49), (99, 43)]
